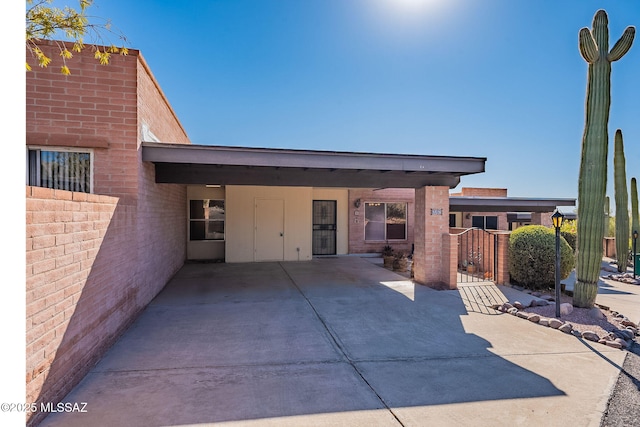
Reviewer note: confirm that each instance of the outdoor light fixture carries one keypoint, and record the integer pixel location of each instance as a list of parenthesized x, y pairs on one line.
[(557, 219), (357, 203), (635, 255)]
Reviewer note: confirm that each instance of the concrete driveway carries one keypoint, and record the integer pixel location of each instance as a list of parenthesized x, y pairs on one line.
[(336, 341)]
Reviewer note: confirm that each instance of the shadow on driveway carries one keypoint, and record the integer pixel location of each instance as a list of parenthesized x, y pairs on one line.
[(339, 337)]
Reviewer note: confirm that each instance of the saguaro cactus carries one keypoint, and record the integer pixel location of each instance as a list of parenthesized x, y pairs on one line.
[(594, 48), (635, 215), (607, 215), (622, 203)]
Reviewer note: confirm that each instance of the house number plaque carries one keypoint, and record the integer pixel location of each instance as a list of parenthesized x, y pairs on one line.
[(436, 211)]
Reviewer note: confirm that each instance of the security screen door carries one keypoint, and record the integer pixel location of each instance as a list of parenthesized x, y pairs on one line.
[(324, 227)]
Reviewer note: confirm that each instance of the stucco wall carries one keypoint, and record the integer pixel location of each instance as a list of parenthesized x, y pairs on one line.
[(241, 208)]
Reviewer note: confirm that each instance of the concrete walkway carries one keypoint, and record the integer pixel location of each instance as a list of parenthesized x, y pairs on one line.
[(336, 341)]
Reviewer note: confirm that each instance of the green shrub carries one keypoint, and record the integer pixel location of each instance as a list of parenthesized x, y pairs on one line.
[(532, 257), (570, 237)]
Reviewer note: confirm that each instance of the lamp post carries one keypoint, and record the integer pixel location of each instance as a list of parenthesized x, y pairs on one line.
[(635, 239), (557, 219)]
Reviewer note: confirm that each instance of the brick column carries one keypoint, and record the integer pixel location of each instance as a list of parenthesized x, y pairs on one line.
[(450, 261), (502, 274), (431, 223)]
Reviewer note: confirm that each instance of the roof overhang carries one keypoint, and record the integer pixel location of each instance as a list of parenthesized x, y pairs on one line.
[(506, 204), (222, 165)]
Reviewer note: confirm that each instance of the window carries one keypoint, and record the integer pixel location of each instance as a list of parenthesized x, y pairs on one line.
[(60, 168), (206, 219), (385, 221), (485, 222)]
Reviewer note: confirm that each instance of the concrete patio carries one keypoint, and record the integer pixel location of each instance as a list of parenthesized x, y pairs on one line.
[(336, 341)]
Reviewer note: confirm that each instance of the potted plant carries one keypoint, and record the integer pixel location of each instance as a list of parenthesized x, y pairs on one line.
[(400, 261), (475, 260), (387, 256)]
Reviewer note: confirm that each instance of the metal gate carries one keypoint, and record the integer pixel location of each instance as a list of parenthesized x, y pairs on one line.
[(324, 227), (477, 256)]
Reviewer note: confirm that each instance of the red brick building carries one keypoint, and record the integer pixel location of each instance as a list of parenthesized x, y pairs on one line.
[(117, 199)]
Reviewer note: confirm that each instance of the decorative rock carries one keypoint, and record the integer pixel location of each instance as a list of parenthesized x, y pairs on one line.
[(632, 329), (591, 336), (602, 341), (535, 318), (596, 313), (513, 311), (613, 344), (518, 305), (622, 342), (507, 306), (611, 337), (542, 303), (522, 315), (624, 334), (544, 321), (566, 308), (548, 298), (566, 328), (628, 323), (533, 303), (555, 323)]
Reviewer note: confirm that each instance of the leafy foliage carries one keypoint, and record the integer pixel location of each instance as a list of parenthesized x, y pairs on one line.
[(46, 22), (569, 230), (532, 252)]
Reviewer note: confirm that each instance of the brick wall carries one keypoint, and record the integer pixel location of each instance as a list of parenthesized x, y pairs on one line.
[(430, 266), (357, 243), (482, 192), (94, 107), (154, 109), (94, 261), (81, 285)]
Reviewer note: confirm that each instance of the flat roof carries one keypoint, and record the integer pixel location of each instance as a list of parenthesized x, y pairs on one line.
[(225, 165), (506, 204)]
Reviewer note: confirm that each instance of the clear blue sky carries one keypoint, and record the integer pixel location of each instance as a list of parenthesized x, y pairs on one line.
[(501, 79)]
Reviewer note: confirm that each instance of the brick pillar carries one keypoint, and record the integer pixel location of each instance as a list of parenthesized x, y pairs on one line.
[(502, 274), (450, 261), (431, 223), (536, 218)]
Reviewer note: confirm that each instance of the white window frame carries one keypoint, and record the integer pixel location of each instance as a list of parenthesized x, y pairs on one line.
[(59, 149)]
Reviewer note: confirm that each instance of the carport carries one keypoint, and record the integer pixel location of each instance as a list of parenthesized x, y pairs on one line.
[(333, 341), (430, 176)]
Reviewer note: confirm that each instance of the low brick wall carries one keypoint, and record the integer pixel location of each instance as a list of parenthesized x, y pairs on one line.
[(86, 282)]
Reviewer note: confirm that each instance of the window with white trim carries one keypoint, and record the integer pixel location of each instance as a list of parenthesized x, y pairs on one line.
[(385, 221), (60, 168)]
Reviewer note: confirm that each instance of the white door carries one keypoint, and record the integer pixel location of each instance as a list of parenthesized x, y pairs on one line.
[(269, 230)]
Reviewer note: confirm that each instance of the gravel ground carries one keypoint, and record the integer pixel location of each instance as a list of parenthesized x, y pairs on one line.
[(623, 409)]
